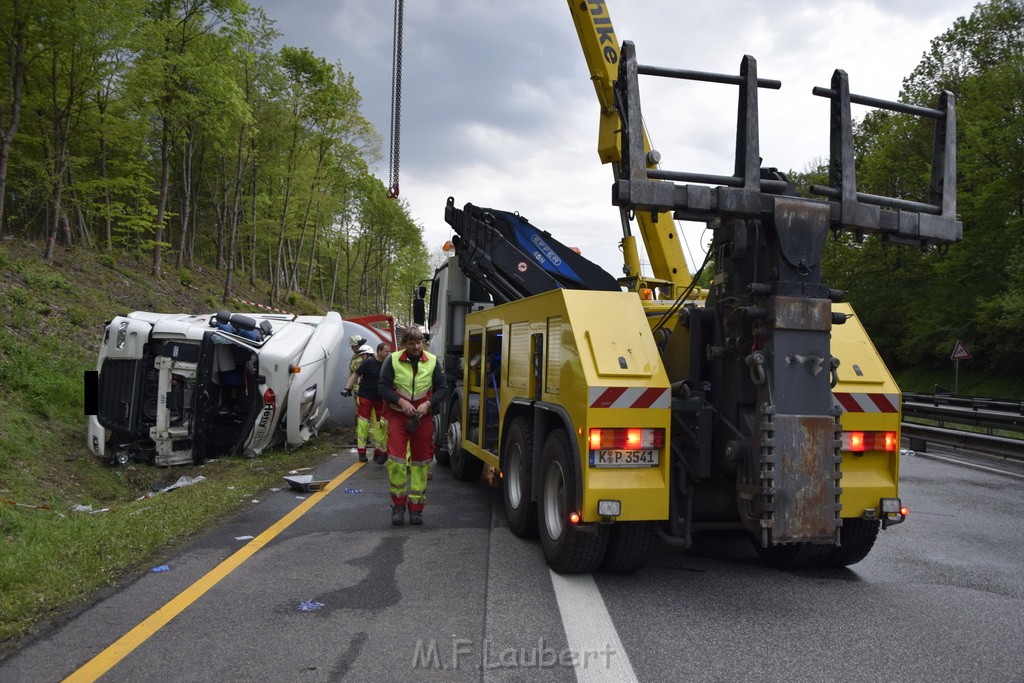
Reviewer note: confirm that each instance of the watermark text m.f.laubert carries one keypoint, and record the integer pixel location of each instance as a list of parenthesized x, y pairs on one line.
[(485, 654)]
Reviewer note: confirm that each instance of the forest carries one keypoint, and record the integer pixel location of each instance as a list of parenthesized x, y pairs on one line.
[(917, 305), (175, 131)]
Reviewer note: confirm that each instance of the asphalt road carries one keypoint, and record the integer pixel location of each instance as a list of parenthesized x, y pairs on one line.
[(941, 598)]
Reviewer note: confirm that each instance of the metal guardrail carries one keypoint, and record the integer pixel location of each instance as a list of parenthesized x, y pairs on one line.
[(988, 413), (1001, 405)]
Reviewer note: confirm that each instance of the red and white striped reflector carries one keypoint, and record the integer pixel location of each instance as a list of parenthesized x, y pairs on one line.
[(858, 442), (629, 397), (867, 403)]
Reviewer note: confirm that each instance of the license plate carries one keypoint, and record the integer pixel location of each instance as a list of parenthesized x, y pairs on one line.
[(644, 458)]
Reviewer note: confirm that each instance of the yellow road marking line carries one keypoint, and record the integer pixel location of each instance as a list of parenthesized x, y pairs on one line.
[(104, 661)]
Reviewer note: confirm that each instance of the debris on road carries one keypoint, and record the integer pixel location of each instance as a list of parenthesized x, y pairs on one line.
[(161, 568), (305, 482), (310, 606)]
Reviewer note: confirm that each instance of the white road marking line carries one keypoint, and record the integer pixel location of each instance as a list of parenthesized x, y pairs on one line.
[(594, 644), (957, 461)]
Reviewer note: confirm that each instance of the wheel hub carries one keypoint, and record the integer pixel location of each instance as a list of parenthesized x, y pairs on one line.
[(554, 501)]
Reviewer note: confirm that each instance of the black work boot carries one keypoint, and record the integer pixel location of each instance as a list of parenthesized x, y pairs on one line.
[(415, 517), (362, 455), (398, 515)]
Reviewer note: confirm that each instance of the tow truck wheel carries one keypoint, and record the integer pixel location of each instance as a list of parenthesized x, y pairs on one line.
[(440, 442), (629, 546), (568, 548), (518, 473), (857, 537), (464, 465)]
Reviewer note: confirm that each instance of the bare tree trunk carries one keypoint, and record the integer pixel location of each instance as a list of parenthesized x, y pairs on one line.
[(235, 217), (225, 217), (342, 235), (161, 205), (275, 275), (61, 225), (255, 186), (321, 280), (16, 68), (83, 231), (294, 282), (289, 263), (186, 199), (312, 248), (108, 223)]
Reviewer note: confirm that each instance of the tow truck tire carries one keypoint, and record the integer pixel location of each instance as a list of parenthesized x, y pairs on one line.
[(465, 466), (517, 467), (568, 548), (857, 537), (440, 442), (796, 556), (629, 546)]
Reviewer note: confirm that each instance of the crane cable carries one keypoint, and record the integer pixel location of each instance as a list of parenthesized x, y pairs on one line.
[(396, 100)]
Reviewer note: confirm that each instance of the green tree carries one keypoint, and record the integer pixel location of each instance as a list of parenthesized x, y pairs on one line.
[(180, 73), (917, 305)]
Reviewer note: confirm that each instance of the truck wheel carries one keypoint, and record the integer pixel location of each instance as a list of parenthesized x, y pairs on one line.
[(797, 556), (518, 474), (629, 546), (568, 549), (857, 537), (465, 466), (440, 442)]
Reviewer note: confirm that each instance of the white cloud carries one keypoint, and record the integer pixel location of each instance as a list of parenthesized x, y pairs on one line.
[(498, 109)]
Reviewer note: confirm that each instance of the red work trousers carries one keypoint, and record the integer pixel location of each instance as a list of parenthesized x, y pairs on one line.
[(409, 454)]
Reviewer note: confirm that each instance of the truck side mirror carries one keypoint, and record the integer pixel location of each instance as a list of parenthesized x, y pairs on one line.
[(419, 309)]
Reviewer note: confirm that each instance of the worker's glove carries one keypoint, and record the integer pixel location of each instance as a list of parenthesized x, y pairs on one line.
[(346, 392), (412, 424)]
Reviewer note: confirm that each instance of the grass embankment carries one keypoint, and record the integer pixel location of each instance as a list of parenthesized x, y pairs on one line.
[(53, 558)]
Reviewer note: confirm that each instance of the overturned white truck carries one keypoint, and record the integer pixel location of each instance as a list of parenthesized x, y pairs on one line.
[(174, 389)]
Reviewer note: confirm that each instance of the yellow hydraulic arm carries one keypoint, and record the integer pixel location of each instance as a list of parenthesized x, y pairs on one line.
[(658, 231)]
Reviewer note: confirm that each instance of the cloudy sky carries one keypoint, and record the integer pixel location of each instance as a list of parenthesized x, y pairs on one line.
[(498, 108)]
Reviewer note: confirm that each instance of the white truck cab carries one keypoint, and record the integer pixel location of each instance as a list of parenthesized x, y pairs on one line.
[(176, 389)]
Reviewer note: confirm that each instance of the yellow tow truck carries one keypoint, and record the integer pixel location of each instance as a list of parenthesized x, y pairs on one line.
[(623, 411)]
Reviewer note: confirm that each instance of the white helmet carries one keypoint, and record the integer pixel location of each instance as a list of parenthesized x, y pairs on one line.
[(365, 348)]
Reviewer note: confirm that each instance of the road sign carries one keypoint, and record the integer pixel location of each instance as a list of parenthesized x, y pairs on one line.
[(960, 352)]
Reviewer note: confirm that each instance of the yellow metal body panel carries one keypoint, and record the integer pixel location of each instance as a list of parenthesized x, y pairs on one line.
[(485, 455), (862, 374), (591, 340)]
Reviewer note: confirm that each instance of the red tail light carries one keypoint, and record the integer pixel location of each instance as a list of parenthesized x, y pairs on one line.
[(269, 398), (890, 441), (625, 438), (858, 442)]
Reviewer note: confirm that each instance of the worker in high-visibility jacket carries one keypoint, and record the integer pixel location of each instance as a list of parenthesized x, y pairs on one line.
[(412, 383), (370, 423)]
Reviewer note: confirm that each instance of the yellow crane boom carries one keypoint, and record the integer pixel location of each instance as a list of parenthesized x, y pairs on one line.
[(659, 232)]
